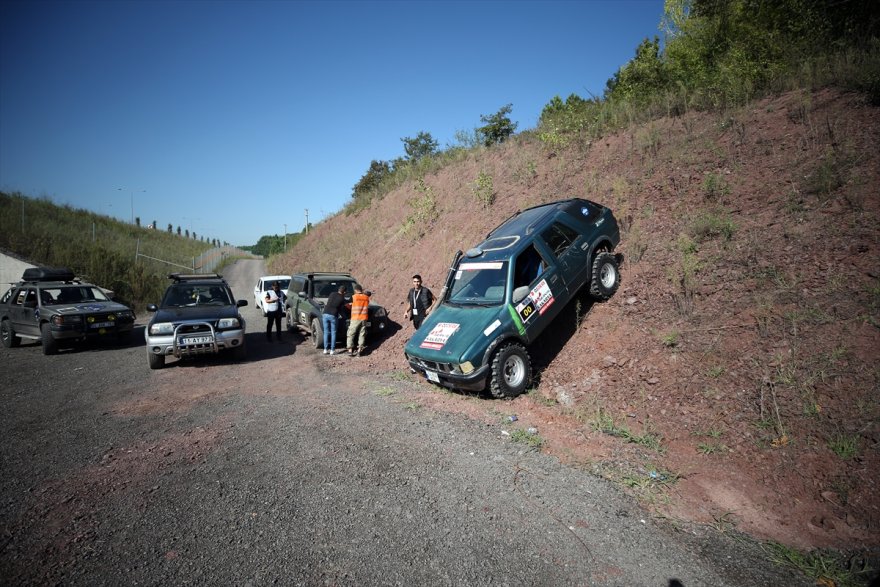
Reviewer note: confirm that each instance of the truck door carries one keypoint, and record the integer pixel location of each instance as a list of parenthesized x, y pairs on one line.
[(24, 312), (537, 270), (571, 250)]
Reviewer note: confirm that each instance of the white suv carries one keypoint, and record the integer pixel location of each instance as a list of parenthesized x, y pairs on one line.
[(264, 284)]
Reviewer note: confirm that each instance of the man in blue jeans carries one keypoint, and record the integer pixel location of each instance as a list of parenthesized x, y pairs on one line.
[(330, 318)]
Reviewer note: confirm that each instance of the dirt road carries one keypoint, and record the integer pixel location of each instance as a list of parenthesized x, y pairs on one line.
[(284, 470)]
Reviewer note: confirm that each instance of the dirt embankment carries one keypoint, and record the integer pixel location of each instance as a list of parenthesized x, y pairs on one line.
[(733, 379)]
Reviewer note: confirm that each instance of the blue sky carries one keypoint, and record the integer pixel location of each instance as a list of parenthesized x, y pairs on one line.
[(232, 118)]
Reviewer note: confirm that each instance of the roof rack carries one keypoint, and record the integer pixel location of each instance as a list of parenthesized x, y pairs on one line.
[(177, 277), (43, 274), (324, 273)]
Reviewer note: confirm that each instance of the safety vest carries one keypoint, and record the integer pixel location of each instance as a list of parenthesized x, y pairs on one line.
[(359, 304)]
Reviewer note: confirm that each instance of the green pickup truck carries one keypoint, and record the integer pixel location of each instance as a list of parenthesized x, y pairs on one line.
[(500, 295)]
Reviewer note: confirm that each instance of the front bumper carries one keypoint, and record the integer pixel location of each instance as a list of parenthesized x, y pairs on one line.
[(441, 374), (208, 342), (67, 332)]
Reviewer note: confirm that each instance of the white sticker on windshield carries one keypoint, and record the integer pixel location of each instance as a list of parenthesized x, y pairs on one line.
[(492, 328), (478, 266)]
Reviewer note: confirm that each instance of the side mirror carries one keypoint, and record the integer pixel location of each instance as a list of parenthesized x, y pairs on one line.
[(520, 293), (302, 294), (241, 303), (152, 307)]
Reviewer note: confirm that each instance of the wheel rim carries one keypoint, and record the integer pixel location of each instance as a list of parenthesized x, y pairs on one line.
[(608, 275), (4, 331), (514, 371)]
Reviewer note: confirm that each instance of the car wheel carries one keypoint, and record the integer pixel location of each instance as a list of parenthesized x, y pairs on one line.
[(605, 277), (511, 371), (317, 334), (156, 361), (50, 345), (288, 317), (8, 335)]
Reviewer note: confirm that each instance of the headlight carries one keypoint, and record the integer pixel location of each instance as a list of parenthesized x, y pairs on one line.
[(58, 319), (162, 328), (124, 314), (466, 368), (228, 323)]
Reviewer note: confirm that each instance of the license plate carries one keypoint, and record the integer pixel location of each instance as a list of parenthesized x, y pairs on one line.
[(432, 376), (196, 340), (101, 325)]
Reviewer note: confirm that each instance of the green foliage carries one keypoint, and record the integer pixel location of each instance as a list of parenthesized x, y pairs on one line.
[(371, 180), (483, 189), (269, 245), (42, 232), (422, 145), (424, 212), (712, 224), (497, 127)]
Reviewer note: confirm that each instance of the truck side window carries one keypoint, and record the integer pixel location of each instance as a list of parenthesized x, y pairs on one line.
[(529, 266), (559, 238)]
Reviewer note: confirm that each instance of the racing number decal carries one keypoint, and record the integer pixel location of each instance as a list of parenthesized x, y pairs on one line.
[(526, 311), (539, 299)]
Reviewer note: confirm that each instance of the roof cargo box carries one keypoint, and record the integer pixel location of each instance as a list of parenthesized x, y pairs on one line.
[(47, 274)]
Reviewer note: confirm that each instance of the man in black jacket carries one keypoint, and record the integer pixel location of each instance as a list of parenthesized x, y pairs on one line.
[(420, 300)]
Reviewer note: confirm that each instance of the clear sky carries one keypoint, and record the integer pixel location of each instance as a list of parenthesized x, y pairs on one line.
[(232, 118)]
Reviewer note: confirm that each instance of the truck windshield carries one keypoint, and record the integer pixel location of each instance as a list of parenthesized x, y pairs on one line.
[(479, 283)]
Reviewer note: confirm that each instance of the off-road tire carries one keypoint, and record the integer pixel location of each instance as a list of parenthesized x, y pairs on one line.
[(7, 334), (50, 345), (156, 361), (605, 276), (317, 334), (511, 371), (288, 319)]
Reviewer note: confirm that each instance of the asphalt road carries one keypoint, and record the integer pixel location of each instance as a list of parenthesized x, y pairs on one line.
[(278, 470)]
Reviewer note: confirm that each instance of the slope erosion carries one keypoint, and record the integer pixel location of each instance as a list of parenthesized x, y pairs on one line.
[(733, 379)]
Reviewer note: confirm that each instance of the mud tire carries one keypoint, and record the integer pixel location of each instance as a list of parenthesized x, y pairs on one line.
[(50, 345), (156, 361), (511, 371), (7, 334), (317, 334), (605, 276)]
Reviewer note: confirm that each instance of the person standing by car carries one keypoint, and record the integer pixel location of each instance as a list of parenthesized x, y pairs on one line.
[(360, 304), (274, 304), (420, 300), (330, 317)]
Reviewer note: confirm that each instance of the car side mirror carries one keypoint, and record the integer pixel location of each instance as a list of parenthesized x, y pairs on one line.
[(241, 303), (152, 308), (520, 293), (302, 294)]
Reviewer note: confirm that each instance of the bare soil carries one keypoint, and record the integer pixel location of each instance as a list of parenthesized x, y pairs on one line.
[(744, 337)]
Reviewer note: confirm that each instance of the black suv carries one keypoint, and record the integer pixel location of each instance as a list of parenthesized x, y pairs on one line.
[(306, 296), (198, 316), (52, 306)]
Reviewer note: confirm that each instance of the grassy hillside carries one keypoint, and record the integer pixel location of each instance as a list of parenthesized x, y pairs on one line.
[(98, 248), (743, 344)]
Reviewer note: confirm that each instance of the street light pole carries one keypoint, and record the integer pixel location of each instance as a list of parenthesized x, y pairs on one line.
[(131, 196)]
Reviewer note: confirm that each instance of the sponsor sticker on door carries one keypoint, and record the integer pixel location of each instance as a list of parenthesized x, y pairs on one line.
[(537, 302)]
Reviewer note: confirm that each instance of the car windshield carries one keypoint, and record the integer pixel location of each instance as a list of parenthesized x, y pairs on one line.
[(73, 294), (323, 289), (479, 283), (183, 295), (284, 283)]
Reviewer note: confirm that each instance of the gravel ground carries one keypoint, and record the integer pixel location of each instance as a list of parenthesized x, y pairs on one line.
[(278, 470)]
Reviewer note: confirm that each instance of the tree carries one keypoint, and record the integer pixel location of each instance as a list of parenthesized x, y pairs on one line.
[(137, 221), (497, 127), (178, 230), (642, 78), (170, 228), (423, 145), (186, 233), (371, 179)]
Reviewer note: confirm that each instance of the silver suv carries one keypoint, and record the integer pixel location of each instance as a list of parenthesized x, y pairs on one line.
[(198, 315)]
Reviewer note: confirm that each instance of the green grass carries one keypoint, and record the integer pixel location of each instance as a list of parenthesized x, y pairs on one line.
[(817, 565), (525, 437), (605, 423), (844, 446)]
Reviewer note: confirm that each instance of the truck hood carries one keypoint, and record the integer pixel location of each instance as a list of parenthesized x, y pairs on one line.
[(90, 307), (455, 333), (206, 313)]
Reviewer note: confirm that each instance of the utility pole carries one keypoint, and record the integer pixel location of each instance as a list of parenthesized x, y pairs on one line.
[(307, 221), (285, 238)]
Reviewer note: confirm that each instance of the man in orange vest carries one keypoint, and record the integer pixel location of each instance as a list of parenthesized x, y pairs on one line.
[(360, 303)]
